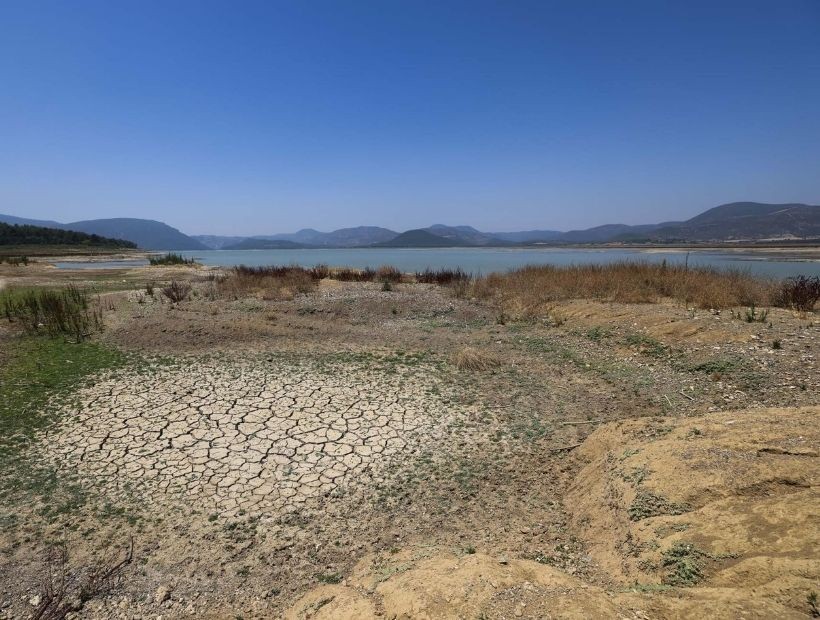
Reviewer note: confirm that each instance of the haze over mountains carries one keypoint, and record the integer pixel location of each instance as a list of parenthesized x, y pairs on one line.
[(738, 221)]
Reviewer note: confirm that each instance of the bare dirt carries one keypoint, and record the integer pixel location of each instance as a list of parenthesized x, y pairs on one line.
[(327, 455)]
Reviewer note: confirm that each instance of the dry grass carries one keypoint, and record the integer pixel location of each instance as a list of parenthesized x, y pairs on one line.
[(469, 358), (530, 290), (268, 282)]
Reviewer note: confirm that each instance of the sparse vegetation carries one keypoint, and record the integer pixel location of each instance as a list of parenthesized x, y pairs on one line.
[(68, 311), (683, 561), (387, 273), (814, 608), (801, 293), (329, 578), (469, 358), (171, 258), (443, 277), (177, 291), (532, 289), (598, 333), (646, 345), (64, 592), (647, 504), (269, 282), (752, 315)]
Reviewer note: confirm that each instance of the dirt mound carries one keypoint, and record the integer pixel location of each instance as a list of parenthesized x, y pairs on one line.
[(712, 516), (428, 584), (725, 502)]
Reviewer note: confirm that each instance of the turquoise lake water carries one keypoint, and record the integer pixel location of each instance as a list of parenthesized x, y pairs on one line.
[(485, 260)]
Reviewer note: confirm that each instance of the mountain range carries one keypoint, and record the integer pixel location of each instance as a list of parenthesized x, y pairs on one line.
[(147, 234), (737, 221)]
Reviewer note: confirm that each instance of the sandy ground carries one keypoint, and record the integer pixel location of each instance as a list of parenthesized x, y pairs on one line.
[(320, 455)]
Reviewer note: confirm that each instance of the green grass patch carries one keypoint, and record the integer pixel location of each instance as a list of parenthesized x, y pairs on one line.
[(35, 379)]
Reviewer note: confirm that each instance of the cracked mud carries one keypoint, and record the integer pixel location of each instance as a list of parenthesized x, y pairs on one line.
[(238, 437)]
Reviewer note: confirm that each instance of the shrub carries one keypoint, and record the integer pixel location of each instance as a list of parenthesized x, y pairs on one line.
[(67, 311), (320, 272), (176, 291), (388, 273), (800, 293), (443, 277), (170, 258), (346, 274), (271, 282)]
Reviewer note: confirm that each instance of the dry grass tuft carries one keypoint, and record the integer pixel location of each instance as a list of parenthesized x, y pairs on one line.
[(269, 282), (469, 358), (529, 291)]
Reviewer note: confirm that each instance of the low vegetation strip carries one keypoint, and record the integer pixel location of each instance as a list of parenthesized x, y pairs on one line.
[(171, 258), (530, 289)]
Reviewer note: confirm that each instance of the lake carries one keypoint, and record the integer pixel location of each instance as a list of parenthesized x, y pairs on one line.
[(486, 260)]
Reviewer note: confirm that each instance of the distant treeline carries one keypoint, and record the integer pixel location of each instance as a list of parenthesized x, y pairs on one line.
[(16, 234)]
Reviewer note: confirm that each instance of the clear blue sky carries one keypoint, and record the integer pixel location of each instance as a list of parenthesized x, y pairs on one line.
[(260, 117)]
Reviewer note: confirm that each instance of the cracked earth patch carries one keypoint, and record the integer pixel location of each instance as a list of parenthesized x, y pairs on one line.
[(247, 437)]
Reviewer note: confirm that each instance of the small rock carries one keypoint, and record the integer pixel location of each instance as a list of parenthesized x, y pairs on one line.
[(35, 600), (163, 594), (503, 560)]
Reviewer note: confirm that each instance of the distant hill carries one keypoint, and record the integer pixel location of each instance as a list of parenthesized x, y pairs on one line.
[(741, 221), (26, 234), (253, 243), (420, 238), (147, 234), (217, 242), (358, 236), (527, 236), (464, 235), (736, 221), (608, 232), (12, 219)]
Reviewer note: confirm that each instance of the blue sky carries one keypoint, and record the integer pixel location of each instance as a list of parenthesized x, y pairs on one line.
[(261, 117)]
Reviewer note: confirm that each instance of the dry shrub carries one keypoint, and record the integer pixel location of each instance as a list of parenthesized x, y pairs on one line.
[(443, 277), (469, 358), (63, 592), (388, 273), (800, 293), (177, 291), (274, 282), (529, 290), (346, 274)]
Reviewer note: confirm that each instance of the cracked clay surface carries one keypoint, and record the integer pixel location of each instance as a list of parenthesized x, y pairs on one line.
[(242, 437)]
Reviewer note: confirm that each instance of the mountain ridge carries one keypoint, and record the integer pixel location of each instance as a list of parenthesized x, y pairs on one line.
[(736, 221), (146, 234)]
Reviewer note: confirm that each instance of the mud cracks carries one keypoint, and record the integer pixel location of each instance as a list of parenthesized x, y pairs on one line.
[(247, 437)]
